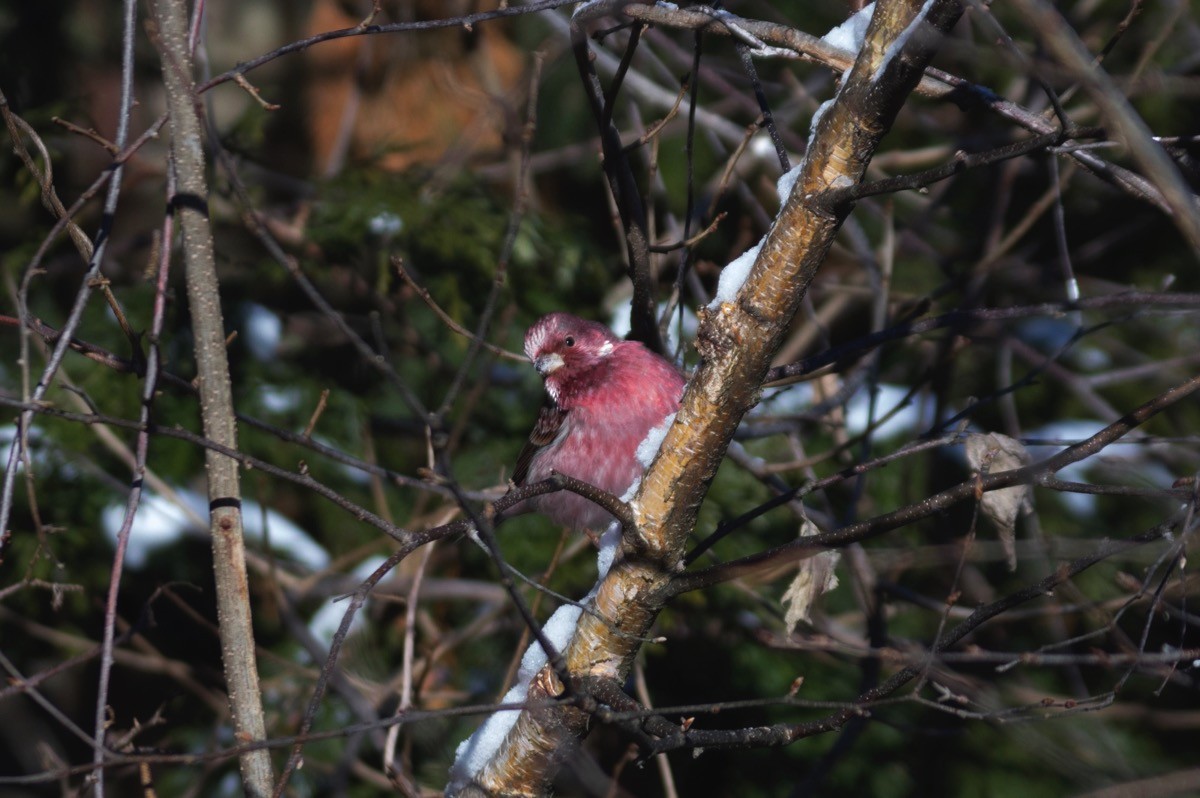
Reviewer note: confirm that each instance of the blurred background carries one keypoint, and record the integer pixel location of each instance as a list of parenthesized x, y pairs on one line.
[(424, 149)]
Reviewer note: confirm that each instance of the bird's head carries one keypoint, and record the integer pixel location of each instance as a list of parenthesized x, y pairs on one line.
[(565, 348)]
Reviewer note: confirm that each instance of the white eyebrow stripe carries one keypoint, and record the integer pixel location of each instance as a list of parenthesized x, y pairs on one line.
[(534, 343)]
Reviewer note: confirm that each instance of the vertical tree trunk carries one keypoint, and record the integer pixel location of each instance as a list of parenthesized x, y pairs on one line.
[(216, 402)]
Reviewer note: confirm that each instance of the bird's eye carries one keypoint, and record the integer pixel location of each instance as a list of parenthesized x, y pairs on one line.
[(570, 340)]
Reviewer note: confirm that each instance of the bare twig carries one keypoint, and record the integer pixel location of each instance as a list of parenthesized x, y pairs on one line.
[(1064, 43), (139, 472), (88, 133), (625, 192), (805, 547), (427, 298), (253, 92)]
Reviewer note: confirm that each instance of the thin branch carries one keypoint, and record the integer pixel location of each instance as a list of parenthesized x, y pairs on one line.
[(459, 21), (845, 354), (934, 83), (625, 192), (88, 133), (87, 284), (1062, 40), (787, 733), (139, 472), (137, 368), (454, 326), (964, 491)]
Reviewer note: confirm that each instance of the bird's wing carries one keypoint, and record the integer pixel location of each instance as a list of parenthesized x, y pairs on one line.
[(549, 425)]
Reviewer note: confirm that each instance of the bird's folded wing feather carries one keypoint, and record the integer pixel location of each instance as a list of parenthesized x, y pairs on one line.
[(548, 427)]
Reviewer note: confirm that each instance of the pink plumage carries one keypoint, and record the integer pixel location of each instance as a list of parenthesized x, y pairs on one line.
[(605, 396)]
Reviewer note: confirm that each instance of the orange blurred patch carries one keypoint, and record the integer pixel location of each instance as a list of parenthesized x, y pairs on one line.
[(402, 99)]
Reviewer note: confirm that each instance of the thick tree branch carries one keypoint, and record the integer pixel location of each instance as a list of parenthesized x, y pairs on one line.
[(737, 340)]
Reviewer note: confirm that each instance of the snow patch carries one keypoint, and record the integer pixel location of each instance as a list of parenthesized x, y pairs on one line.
[(326, 620), (761, 146), (582, 7), (677, 330), (917, 414), (385, 224), (734, 275), (647, 450), (851, 34), (263, 331), (609, 542), (279, 400), (784, 400), (787, 181), (478, 749), (37, 450), (160, 521)]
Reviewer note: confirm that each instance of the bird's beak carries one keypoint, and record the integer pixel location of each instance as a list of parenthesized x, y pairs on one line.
[(548, 364)]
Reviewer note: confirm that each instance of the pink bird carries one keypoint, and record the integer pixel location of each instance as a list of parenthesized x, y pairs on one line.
[(605, 396)]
